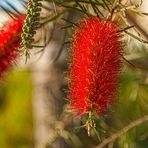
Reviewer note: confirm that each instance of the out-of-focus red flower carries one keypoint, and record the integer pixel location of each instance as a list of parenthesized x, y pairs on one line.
[(9, 41), (95, 65)]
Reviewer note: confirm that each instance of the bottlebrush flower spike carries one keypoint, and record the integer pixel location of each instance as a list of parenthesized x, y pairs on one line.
[(95, 65), (10, 37)]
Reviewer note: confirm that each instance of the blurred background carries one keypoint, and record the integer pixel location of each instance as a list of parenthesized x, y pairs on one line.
[(32, 100)]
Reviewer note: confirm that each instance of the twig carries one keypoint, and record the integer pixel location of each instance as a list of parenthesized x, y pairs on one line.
[(137, 25), (123, 131)]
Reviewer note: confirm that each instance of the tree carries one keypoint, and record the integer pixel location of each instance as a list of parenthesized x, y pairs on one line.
[(97, 77)]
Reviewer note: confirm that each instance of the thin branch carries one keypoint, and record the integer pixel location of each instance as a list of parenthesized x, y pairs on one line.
[(123, 131), (137, 25), (136, 37)]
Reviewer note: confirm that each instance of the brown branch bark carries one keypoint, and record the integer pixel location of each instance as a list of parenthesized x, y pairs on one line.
[(123, 131)]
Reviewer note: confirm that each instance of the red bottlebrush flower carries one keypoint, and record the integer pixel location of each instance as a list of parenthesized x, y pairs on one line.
[(10, 40), (95, 65)]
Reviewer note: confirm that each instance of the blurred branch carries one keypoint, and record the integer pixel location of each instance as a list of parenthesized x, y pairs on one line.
[(123, 131), (137, 25), (10, 8), (129, 10)]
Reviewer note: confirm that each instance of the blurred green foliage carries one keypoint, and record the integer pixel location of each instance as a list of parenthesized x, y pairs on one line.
[(15, 110), (132, 104)]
